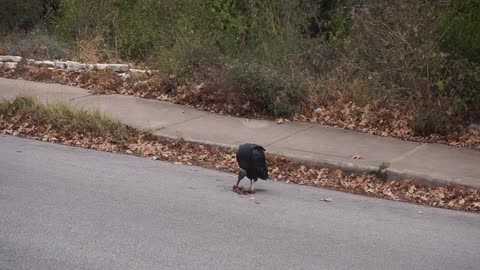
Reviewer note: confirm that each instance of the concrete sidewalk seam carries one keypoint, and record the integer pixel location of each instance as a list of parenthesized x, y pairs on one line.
[(75, 98), (286, 137), (183, 122), (411, 152), (315, 153)]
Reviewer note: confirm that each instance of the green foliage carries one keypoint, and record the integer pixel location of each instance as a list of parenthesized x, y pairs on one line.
[(461, 23), (24, 15), (432, 119), (81, 19), (16, 13), (140, 28), (279, 95), (461, 26)]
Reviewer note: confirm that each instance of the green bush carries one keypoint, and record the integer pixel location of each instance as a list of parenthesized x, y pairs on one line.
[(139, 28), (461, 25), (277, 94), (432, 119), (26, 14)]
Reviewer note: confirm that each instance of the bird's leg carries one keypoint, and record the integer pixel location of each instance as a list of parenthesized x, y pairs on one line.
[(241, 174), (252, 185)]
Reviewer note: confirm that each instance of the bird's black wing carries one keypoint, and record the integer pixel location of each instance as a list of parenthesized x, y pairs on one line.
[(259, 163), (244, 156)]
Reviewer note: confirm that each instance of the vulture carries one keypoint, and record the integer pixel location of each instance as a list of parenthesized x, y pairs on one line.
[(251, 160)]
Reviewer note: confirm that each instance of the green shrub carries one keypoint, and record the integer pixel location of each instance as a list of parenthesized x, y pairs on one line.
[(26, 14), (461, 26), (278, 95), (432, 119)]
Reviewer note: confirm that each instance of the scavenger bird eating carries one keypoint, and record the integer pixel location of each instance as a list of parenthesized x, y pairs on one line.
[(251, 160)]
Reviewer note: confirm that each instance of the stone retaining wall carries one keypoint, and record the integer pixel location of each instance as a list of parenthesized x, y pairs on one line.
[(123, 70)]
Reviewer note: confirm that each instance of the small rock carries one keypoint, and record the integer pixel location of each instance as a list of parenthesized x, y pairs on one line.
[(75, 66), (318, 110), (44, 63), (150, 72), (420, 212), (119, 67), (327, 200), (137, 71), (114, 67), (10, 58), (356, 156), (474, 126), (124, 76), (10, 65), (48, 63), (138, 74), (60, 64), (101, 66)]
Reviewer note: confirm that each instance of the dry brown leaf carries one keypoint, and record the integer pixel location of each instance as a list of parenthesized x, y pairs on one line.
[(357, 156)]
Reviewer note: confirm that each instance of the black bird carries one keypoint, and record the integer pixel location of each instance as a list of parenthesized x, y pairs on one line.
[(251, 160)]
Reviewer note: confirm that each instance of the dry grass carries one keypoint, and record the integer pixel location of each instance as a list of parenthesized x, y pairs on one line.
[(92, 49), (60, 116)]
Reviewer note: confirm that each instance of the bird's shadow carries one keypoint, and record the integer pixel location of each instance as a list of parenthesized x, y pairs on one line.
[(245, 190), (259, 190)]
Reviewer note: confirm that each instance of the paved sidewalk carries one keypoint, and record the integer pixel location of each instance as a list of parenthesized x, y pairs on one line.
[(434, 163)]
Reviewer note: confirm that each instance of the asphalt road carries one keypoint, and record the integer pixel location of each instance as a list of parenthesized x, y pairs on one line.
[(70, 208)]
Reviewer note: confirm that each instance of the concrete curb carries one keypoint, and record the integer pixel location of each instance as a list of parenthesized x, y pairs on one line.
[(391, 174)]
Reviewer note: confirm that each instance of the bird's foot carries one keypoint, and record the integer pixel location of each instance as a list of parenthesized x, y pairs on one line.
[(240, 190)]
